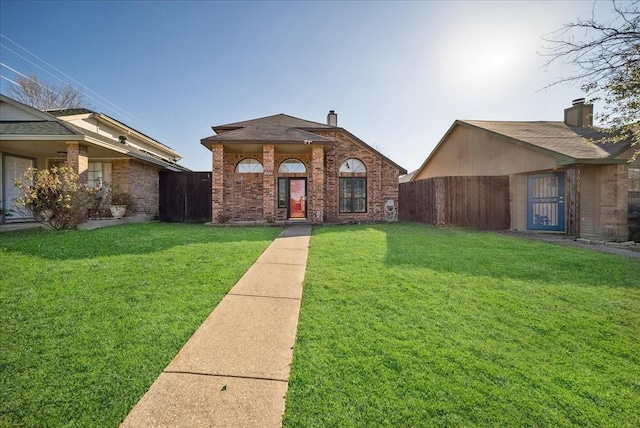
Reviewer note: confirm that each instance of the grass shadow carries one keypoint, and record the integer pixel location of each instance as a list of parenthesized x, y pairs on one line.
[(129, 239), (497, 256)]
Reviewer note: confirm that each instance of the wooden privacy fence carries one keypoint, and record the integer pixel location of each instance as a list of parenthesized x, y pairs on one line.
[(185, 196), (475, 202)]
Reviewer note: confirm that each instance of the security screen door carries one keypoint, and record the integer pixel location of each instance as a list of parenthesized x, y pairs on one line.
[(545, 202)]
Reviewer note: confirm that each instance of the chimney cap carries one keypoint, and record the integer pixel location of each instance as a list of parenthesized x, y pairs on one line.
[(577, 101)]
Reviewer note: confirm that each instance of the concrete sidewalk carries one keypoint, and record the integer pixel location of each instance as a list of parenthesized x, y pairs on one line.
[(234, 370)]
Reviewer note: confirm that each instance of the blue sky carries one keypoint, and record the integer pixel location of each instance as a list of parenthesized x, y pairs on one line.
[(397, 73)]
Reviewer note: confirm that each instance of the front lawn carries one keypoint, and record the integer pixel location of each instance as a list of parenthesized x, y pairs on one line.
[(89, 319), (408, 325)]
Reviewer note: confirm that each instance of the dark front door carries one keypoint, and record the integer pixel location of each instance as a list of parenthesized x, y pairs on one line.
[(545, 202), (297, 198)]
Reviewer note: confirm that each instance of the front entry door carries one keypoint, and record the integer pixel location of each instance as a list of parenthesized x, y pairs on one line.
[(545, 202), (14, 168), (297, 198)]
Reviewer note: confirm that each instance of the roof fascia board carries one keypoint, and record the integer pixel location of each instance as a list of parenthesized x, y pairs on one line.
[(605, 161), (75, 116), (27, 137)]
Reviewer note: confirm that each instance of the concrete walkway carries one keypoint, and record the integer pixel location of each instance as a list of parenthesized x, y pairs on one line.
[(234, 370)]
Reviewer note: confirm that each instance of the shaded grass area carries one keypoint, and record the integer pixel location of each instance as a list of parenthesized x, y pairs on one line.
[(90, 318), (409, 325)]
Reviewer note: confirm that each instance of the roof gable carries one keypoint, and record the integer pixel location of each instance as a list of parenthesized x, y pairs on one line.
[(12, 110)]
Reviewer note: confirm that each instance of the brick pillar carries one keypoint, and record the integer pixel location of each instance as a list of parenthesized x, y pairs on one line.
[(316, 188), (268, 183), (572, 204), (614, 199), (217, 183), (78, 159)]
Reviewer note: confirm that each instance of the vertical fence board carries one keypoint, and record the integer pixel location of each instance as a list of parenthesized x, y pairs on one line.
[(475, 202), (185, 196)]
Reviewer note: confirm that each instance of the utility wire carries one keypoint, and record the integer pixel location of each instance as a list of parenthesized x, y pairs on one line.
[(115, 107)]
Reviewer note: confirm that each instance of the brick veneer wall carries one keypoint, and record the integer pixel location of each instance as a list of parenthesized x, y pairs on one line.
[(141, 180), (254, 196), (243, 192), (144, 186), (614, 191), (382, 179)]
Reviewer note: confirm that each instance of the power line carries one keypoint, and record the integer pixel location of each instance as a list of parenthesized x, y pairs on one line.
[(115, 107)]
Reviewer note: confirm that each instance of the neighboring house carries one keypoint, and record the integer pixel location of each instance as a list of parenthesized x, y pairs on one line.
[(559, 180), (281, 168), (98, 147)]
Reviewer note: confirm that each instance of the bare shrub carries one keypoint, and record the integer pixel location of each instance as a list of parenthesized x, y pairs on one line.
[(55, 197)]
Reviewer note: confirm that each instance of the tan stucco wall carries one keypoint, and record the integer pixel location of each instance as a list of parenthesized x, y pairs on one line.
[(468, 152)]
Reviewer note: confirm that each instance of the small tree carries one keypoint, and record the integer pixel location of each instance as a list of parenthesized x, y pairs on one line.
[(44, 95), (606, 60), (55, 197)]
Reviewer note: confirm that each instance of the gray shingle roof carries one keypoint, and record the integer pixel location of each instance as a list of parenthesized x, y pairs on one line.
[(68, 111), (281, 128), (554, 136), (273, 133), (276, 119), (35, 128)]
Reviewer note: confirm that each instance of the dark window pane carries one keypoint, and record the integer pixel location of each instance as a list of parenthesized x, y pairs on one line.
[(282, 193)]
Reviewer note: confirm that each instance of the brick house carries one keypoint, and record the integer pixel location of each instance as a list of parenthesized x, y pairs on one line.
[(281, 168), (559, 181), (98, 147)]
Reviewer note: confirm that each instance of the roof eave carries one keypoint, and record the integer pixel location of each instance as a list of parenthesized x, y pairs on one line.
[(146, 138), (590, 161), (38, 137), (208, 143)]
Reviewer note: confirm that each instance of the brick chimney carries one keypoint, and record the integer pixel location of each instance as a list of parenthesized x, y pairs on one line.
[(579, 114), (332, 118)]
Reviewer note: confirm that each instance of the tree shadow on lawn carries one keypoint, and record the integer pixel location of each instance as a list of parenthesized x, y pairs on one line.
[(128, 239), (487, 254)]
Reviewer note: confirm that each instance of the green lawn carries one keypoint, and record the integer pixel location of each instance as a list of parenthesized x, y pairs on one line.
[(89, 319), (401, 325), (407, 325)]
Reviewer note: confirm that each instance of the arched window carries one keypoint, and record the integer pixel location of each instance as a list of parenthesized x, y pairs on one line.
[(353, 165), (249, 166), (292, 165), (353, 186)]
